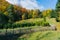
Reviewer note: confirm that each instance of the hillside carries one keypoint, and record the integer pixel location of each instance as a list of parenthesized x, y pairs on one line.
[(3, 5), (51, 35)]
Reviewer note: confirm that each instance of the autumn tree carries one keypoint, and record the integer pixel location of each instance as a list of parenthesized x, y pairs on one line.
[(36, 13), (24, 13), (46, 13), (3, 5)]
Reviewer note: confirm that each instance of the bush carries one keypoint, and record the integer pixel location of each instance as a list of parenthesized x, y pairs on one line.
[(46, 24), (1, 26), (42, 23), (8, 25), (24, 24), (37, 23), (57, 19)]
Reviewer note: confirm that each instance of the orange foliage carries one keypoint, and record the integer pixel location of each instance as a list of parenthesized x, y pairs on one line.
[(23, 10)]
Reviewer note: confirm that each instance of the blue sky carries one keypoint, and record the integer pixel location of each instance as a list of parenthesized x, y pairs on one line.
[(35, 4), (48, 3)]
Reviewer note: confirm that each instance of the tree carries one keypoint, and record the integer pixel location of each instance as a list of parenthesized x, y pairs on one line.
[(30, 13), (11, 16), (3, 18), (44, 15), (58, 11), (3, 5), (36, 13), (18, 12), (53, 14), (10, 10), (39, 13), (24, 13)]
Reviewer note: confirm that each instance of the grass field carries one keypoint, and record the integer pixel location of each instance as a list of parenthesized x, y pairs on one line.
[(47, 35)]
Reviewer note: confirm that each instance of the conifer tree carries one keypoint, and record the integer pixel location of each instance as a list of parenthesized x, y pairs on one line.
[(58, 11)]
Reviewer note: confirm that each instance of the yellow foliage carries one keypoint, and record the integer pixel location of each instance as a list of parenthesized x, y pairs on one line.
[(6, 13), (49, 10), (2, 8), (23, 17), (35, 14), (46, 12)]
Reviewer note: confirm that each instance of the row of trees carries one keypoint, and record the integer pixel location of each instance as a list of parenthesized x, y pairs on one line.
[(12, 13)]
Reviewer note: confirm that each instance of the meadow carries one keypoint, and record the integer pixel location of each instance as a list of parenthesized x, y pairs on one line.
[(19, 23), (47, 35), (44, 35)]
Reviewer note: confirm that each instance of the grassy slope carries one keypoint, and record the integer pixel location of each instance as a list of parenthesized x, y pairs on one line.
[(51, 21), (52, 35)]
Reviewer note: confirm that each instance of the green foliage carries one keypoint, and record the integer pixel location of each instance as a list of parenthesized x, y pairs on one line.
[(25, 24), (43, 23), (58, 11), (30, 15), (38, 23), (11, 13), (1, 26), (3, 18), (21, 39), (53, 14), (58, 19)]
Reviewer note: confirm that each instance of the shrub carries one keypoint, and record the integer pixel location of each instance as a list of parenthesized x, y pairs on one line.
[(1, 26), (57, 19), (37, 23), (43, 23), (8, 25), (25, 24), (46, 24)]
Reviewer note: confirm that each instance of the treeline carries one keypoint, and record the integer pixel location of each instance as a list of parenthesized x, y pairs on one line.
[(15, 13), (11, 13)]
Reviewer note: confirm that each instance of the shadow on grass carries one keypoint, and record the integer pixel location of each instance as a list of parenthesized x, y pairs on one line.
[(10, 37)]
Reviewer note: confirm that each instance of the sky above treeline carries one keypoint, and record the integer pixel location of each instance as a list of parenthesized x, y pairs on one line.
[(35, 4)]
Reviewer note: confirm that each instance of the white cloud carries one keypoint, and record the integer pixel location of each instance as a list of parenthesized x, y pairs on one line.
[(28, 4)]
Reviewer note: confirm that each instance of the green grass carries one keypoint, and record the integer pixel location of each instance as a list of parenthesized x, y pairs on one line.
[(50, 20), (47, 35), (35, 22)]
